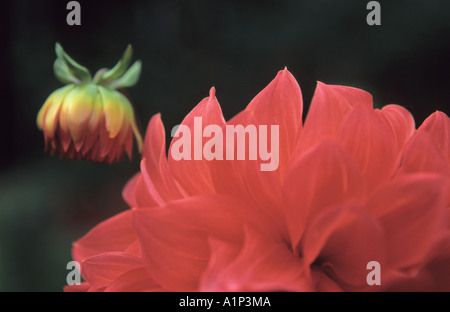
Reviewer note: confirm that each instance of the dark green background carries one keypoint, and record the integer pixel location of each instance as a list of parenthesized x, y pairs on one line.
[(186, 47)]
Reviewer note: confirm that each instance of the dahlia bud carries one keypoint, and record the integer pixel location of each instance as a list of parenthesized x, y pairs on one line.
[(87, 118)]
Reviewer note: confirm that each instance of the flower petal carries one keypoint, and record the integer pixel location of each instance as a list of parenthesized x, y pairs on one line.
[(401, 122), (80, 103), (136, 280), (371, 143), (245, 179), (412, 212), (93, 127), (329, 107), (194, 175), (261, 265), (50, 114), (174, 241), (113, 109), (280, 104), (438, 126), (128, 192), (421, 155), (156, 176), (114, 234), (102, 269), (341, 242), (324, 177)]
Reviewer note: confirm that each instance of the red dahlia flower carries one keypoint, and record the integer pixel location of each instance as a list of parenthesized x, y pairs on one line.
[(354, 185), (88, 118)]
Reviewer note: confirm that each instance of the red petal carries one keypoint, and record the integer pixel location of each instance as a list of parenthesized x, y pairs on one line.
[(83, 287), (143, 196), (261, 265), (174, 238), (105, 142), (341, 242), (114, 234), (65, 140), (151, 187), (194, 175), (400, 121), (223, 254), (324, 177), (281, 104), (371, 143), (128, 192), (329, 107), (101, 270), (438, 126), (422, 155), (155, 171), (128, 144), (136, 280), (412, 212)]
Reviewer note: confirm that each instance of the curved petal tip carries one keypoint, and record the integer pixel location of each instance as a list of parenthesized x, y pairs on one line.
[(212, 92)]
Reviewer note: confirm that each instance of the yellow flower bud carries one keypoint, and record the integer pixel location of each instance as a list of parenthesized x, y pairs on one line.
[(90, 119)]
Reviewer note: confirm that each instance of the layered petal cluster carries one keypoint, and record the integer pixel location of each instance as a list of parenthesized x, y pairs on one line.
[(90, 119), (354, 185)]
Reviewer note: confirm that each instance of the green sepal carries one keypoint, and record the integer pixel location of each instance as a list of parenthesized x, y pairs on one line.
[(130, 78), (75, 69), (62, 72), (120, 67)]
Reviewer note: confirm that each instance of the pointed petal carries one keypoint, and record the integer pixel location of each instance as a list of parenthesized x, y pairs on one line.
[(114, 234), (194, 175), (113, 110), (65, 144), (79, 109), (160, 182), (128, 192), (128, 144), (105, 142), (244, 179), (144, 197), (174, 240), (401, 122), (102, 269), (93, 127), (150, 185), (371, 143), (438, 126), (281, 104), (324, 177), (329, 107), (44, 109), (52, 116), (422, 155)]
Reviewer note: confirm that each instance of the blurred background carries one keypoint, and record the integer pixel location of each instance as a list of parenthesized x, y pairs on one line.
[(186, 47)]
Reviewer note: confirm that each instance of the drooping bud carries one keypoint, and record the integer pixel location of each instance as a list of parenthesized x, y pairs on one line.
[(88, 118)]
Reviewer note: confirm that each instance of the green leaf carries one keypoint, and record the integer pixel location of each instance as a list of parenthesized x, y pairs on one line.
[(130, 78), (63, 73), (120, 67), (80, 72)]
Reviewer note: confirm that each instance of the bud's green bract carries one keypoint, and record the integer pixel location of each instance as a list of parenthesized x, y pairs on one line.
[(88, 118)]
